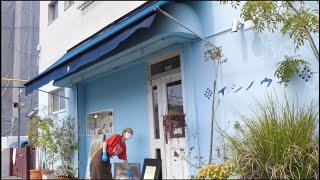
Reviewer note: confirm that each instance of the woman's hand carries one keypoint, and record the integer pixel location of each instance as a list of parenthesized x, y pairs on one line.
[(104, 156)]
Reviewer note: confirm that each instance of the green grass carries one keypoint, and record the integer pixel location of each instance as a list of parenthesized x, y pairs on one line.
[(278, 141)]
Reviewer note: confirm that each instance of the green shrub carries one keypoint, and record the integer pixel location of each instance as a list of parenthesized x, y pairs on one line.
[(278, 142), (66, 142)]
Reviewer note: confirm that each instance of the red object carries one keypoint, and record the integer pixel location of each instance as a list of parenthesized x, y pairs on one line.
[(116, 147), (25, 161)]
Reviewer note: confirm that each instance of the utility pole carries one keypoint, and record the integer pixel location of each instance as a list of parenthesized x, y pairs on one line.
[(19, 105)]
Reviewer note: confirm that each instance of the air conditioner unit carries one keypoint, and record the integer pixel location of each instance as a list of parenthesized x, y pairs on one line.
[(84, 4)]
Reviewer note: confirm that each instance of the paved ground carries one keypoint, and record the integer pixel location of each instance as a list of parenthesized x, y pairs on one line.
[(12, 177)]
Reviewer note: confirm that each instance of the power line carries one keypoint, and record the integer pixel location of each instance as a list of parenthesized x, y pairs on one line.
[(22, 87), (9, 79)]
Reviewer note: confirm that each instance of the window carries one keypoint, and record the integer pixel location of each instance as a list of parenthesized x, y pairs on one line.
[(100, 122), (57, 100), (166, 65), (67, 4), (52, 11), (84, 4)]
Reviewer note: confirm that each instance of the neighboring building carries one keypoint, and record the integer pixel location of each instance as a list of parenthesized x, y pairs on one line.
[(143, 66), (19, 60)]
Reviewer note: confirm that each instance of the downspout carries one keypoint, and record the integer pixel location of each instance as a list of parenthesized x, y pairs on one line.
[(78, 127)]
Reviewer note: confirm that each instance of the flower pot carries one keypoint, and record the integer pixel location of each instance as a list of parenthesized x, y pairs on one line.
[(45, 171), (46, 174), (35, 174), (49, 176)]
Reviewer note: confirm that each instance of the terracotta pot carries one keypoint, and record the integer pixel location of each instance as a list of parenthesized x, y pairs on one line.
[(49, 176), (35, 174), (45, 171)]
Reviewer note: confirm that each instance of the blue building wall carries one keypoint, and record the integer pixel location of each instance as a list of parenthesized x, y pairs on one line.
[(252, 57), (124, 91)]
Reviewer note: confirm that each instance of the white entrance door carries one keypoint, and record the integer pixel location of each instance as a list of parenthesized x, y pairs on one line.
[(165, 97)]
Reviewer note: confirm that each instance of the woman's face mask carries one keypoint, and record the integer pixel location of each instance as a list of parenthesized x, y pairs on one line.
[(127, 135)]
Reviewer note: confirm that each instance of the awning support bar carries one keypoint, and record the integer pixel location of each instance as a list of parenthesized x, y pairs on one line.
[(184, 26)]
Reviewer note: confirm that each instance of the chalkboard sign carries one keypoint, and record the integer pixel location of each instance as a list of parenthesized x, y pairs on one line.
[(151, 169)]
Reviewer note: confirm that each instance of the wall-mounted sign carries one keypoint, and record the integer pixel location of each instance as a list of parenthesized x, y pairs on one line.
[(151, 169)]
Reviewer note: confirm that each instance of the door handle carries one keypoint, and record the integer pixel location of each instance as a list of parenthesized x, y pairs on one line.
[(20, 155)]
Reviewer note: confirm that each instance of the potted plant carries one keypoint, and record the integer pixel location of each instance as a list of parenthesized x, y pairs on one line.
[(40, 134), (66, 145), (33, 136)]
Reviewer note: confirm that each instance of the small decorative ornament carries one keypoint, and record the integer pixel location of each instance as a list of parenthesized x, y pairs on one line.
[(208, 93), (305, 73)]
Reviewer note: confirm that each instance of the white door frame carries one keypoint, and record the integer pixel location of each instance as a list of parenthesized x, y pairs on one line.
[(160, 82)]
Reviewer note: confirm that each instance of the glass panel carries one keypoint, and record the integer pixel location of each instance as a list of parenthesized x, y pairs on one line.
[(158, 154), (167, 65), (174, 95), (62, 100), (55, 101), (67, 4), (55, 10), (100, 122), (155, 112)]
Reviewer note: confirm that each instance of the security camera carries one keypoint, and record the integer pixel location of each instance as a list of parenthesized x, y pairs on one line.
[(249, 24), (235, 24)]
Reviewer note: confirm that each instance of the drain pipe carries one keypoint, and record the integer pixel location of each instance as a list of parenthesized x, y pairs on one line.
[(78, 128)]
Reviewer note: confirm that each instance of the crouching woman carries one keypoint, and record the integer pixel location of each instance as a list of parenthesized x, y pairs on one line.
[(100, 166)]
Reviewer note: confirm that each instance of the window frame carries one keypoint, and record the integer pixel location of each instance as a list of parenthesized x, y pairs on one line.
[(51, 98), (67, 4), (51, 11), (112, 120)]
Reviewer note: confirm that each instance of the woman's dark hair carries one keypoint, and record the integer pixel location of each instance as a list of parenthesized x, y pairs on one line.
[(127, 129)]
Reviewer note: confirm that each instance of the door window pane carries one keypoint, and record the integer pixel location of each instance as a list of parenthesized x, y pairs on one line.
[(155, 112), (158, 154), (174, 95)]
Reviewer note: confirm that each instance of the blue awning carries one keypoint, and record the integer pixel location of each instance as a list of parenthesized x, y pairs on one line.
[(92, 50)]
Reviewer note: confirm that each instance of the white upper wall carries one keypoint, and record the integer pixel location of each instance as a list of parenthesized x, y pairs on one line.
[(74, 25)]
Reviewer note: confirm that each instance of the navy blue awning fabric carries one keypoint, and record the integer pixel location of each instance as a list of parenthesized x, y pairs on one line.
[(90, 56)]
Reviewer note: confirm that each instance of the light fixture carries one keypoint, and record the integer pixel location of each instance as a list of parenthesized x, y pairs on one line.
[(236, 25), (95, 116), (248, 24)]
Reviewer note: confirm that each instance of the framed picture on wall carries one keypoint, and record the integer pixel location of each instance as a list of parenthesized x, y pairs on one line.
[(120, 171), (100, 122)]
